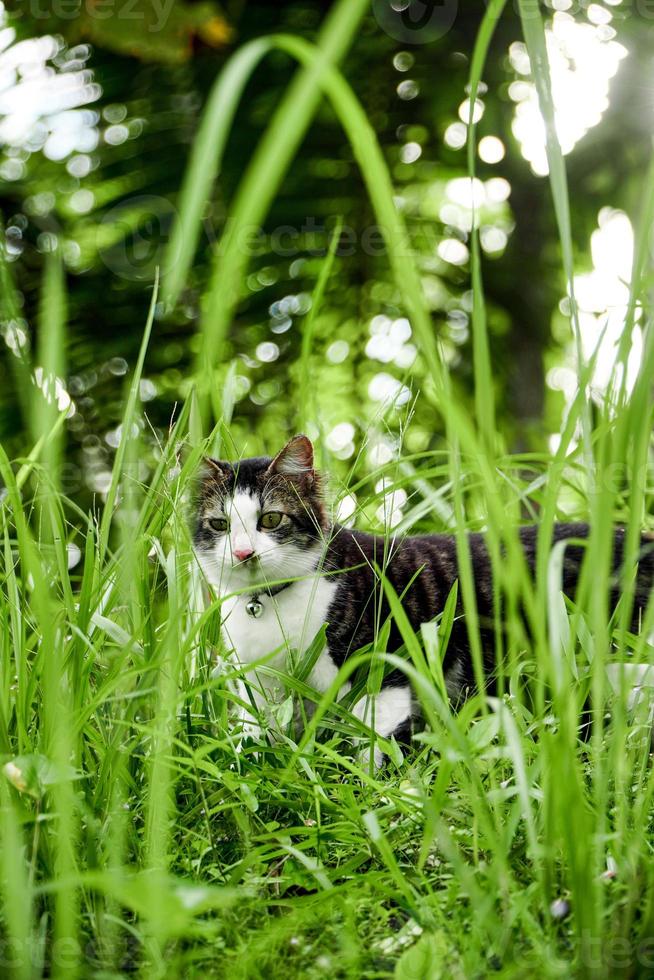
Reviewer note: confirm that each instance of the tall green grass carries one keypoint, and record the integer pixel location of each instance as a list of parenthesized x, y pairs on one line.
[(136, 839)]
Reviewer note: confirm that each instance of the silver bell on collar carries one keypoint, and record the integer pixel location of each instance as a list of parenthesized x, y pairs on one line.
[(254, 607)]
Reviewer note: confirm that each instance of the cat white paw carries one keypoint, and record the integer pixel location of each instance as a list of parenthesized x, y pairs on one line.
[(363, 755)]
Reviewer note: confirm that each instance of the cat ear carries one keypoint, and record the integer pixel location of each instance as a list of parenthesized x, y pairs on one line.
[(213, 469), (295, 459)]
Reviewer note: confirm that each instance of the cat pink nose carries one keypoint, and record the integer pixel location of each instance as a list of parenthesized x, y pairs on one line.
[(243, 554)]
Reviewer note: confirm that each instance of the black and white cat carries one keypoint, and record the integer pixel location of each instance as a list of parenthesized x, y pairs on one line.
[(266, 544)]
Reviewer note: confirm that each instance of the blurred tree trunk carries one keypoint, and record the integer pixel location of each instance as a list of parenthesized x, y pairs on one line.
[(525, 283)]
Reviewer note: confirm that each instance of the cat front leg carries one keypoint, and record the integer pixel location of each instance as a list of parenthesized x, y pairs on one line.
[(246, 718), (386, 713), (260, 719)]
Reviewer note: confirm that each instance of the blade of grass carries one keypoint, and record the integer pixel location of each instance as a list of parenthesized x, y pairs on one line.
[(50, 357), (270, 162), (54, 737), (306, 401), (15, 888), (126, 424), (484, 399), (205, 164), (15, 329)]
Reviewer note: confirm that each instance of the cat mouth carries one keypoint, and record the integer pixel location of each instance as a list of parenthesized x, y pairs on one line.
[(250, 572), (248, 569)]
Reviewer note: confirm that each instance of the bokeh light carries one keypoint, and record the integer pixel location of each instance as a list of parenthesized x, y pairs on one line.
[(583, 58)]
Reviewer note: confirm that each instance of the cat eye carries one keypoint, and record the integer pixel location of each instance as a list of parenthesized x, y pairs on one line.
[(271, 519), (218, 523)]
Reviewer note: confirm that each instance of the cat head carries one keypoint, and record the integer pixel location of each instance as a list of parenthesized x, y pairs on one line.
[(260, 520)]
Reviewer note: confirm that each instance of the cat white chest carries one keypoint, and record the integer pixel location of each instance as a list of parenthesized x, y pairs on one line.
[(288, 620)]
